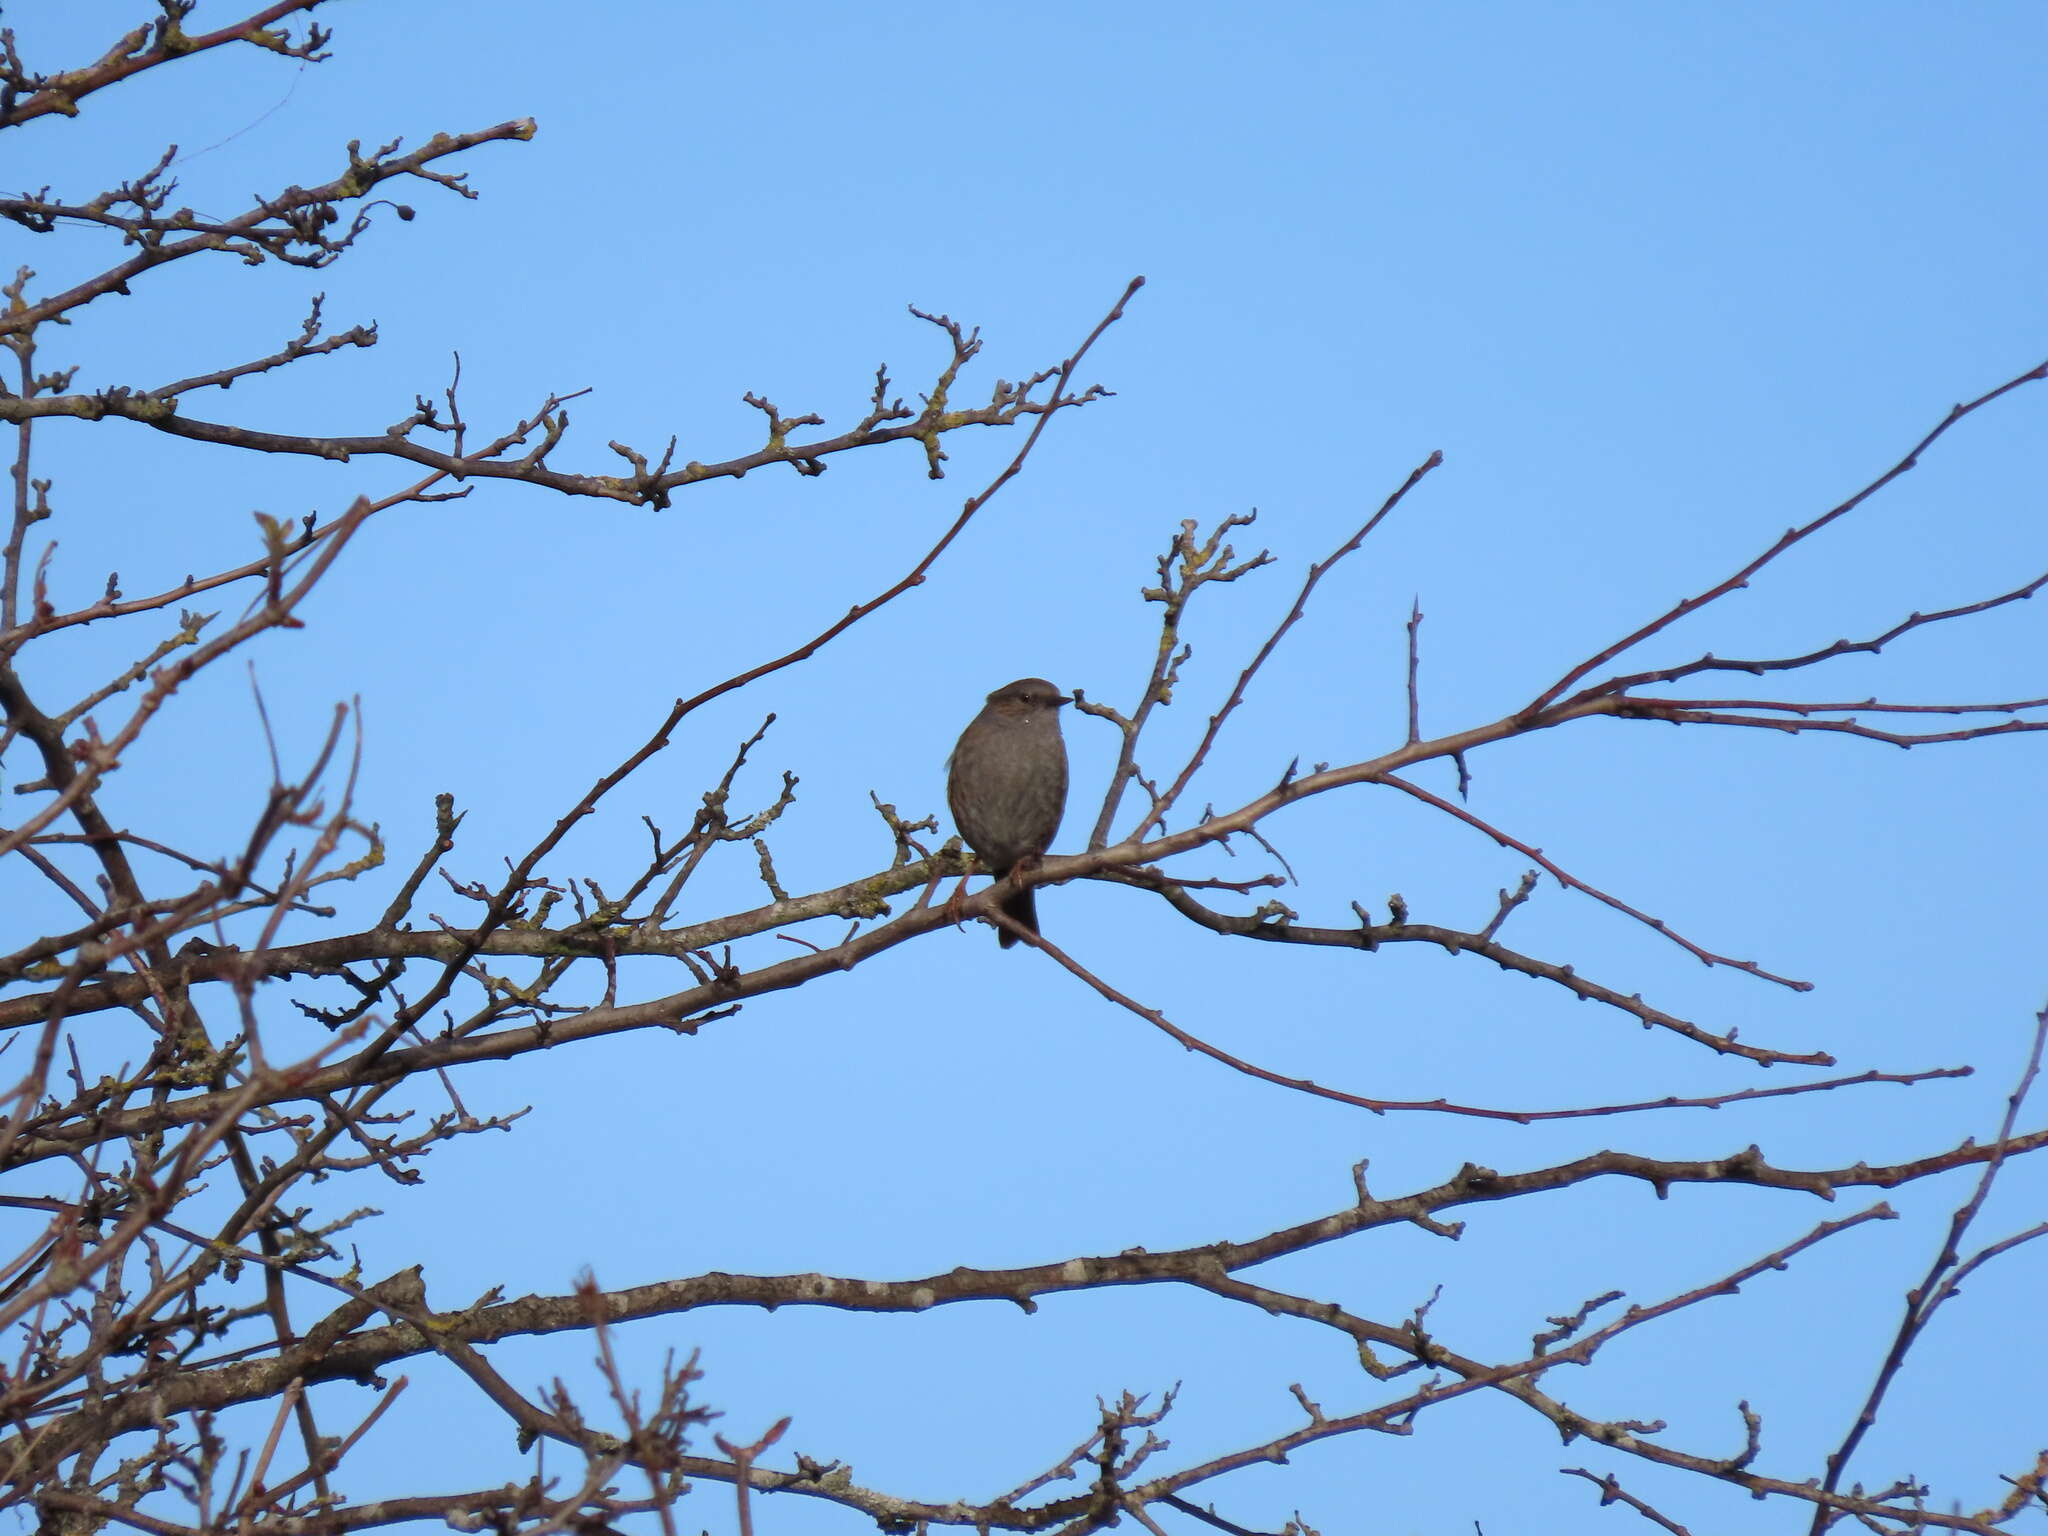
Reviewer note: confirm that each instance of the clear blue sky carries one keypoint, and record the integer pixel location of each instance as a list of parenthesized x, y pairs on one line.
[(1659, 282)]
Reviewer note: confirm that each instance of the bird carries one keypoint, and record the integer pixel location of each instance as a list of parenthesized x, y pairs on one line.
[(1006, 783)]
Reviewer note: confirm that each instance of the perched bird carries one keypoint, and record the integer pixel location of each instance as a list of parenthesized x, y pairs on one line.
[(1007, 784)]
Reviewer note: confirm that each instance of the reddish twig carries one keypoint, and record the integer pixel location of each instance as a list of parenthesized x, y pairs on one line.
[(1680, 715), (743, 1463), (1705, 956), (1871, 646), (1612, 1492), (1790, 537), (1942, 1275), (1414, 663), (1873, 706), (1215, 1053)]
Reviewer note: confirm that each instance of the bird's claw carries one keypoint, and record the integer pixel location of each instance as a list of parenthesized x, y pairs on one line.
[(954, 914)]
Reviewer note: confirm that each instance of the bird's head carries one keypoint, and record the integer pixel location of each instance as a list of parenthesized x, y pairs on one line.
[(1026, 697)]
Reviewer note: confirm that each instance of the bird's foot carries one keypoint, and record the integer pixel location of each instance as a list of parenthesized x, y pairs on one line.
[(953, 913)]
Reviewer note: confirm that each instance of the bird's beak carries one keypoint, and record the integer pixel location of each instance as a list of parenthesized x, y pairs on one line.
[(1065, 698)]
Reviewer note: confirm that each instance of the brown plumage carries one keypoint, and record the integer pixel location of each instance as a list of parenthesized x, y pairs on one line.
[(1007, 784)]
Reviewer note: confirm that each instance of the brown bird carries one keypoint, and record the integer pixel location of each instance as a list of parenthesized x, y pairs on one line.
[(1007, 784)]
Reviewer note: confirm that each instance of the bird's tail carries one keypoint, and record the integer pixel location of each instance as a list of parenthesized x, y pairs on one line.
[(1021, 908)]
